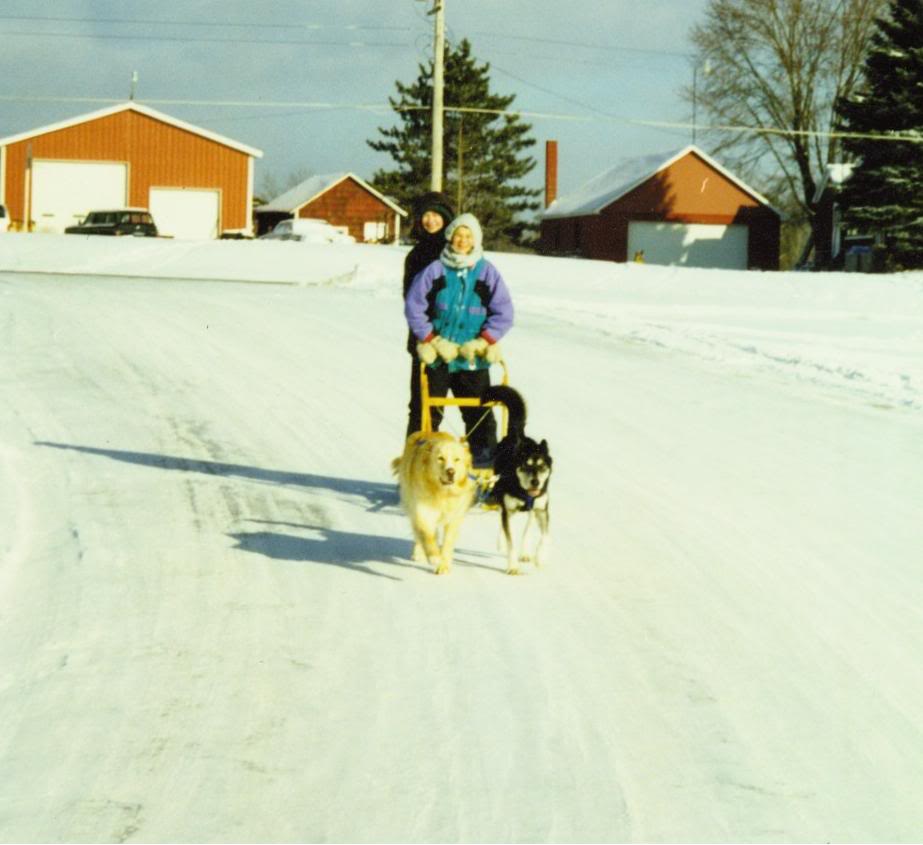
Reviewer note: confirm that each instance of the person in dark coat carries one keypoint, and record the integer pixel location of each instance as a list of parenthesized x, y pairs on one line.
[(431, 214)]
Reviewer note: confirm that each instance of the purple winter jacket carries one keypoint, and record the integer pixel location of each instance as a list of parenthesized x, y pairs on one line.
[(490, 292)]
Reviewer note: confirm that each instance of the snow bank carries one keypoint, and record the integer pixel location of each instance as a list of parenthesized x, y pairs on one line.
[(853, 332)]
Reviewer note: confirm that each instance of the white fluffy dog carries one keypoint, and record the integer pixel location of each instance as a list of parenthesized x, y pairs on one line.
[(437, 490)]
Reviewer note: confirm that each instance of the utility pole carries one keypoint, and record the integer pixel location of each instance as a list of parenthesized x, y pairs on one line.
[(695, 86), (134, 84), (438, 85), (706, 69), (27, 223), (459, 205)]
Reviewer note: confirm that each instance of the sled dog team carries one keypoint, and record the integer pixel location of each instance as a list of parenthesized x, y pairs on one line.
[(458, 308)]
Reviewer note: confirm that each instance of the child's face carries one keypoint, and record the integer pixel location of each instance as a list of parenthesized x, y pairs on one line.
[(432, 221), (462, 240)]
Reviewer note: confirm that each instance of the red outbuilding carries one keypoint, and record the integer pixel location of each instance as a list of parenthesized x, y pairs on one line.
[(343, 200), (197, 184), (679, 208)]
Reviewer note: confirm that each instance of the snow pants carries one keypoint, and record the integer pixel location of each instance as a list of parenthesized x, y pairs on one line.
[(483, 435)]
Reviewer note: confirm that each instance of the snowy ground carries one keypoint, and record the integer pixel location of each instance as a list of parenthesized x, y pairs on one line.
[(211, 630)]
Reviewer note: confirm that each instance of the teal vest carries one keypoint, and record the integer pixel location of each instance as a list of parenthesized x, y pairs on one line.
[(460, 313)]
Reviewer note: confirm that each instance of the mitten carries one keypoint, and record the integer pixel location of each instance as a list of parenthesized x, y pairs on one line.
[(468, 350), (447, 350), (493, 354), (426, 352)]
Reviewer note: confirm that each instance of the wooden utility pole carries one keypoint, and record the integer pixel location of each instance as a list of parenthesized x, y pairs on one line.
[(27, 223), (460, 195), (438, 85)]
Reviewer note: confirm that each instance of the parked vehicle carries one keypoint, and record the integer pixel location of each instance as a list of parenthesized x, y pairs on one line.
[(310, 230), (119, 221), (4, 219)]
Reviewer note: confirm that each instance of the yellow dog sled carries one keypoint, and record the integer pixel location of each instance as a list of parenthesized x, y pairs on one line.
[(484, 476)]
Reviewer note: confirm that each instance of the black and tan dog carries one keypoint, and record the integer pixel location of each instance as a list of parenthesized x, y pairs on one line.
[(523, 470)]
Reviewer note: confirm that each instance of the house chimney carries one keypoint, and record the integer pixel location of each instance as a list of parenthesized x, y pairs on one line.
[(551, 172)]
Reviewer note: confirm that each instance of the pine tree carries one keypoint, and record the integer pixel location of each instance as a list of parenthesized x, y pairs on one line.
[(483, 153), (883, 196)]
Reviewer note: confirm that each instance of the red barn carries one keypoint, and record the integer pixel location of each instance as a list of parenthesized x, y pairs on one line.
[(195, 183), (343, 200), (679, 208)]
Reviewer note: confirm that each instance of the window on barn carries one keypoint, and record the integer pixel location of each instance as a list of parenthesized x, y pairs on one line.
[(374, 231)]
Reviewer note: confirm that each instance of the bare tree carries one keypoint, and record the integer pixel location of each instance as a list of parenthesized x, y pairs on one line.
[(271, 186), (773, 70)]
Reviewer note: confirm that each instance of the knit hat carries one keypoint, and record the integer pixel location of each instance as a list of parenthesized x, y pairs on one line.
[(433, 201), (469, 221), (450, 256)]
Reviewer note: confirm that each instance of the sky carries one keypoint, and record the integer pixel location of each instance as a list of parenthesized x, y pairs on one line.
[(212, 630), (593, 72)]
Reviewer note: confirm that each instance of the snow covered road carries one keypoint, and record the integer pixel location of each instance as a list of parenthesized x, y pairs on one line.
[(211, 630)]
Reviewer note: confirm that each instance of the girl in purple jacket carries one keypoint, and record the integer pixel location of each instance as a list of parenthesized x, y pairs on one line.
[(458, 308)]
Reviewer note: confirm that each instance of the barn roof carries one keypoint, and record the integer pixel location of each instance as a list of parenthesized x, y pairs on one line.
[(603, 190), (136, 107), (299, 196)]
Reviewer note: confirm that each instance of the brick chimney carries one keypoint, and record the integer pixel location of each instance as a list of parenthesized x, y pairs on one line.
[(551, 172)]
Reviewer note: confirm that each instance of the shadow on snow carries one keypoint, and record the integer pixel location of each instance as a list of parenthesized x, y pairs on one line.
[(335, 548), (329, 546), (378, 495)]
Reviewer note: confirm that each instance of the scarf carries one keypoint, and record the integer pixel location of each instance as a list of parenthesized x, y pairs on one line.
[(458, 260)]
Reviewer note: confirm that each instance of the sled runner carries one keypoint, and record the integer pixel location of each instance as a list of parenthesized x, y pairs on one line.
[(483, 475)]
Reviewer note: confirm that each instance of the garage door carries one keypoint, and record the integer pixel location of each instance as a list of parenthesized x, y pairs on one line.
[(64, 191), (690, 244), (185, 212)]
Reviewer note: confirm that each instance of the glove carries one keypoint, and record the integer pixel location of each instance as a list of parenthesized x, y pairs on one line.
[(447, 350), (468, 350), (426, 352), (494, 354)]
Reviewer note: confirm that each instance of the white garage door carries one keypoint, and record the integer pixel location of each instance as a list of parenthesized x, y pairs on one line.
[(690, 244), (185, 212), (64, 191)]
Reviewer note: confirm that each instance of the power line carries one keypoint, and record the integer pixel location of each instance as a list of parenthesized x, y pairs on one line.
[(544, 90), (207, 39), (230, 103), (607, 47), (312, 27), (572, 100), (912, 138), (231, 24), (180, 39), (349, 27)]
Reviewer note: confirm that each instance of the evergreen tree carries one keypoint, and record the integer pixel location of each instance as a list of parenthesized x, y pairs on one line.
[(483, 153), (883, 195)]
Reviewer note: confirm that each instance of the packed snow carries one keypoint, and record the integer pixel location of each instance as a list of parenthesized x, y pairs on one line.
[(211, 628)]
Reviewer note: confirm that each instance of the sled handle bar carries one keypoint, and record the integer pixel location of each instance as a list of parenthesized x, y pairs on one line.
[(427, 402)]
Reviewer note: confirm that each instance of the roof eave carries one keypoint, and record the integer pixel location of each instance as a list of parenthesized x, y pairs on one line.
[(361, 182), (691, 148), (132, 106)]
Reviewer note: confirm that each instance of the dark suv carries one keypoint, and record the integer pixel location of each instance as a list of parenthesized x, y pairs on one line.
[(120, 221)]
